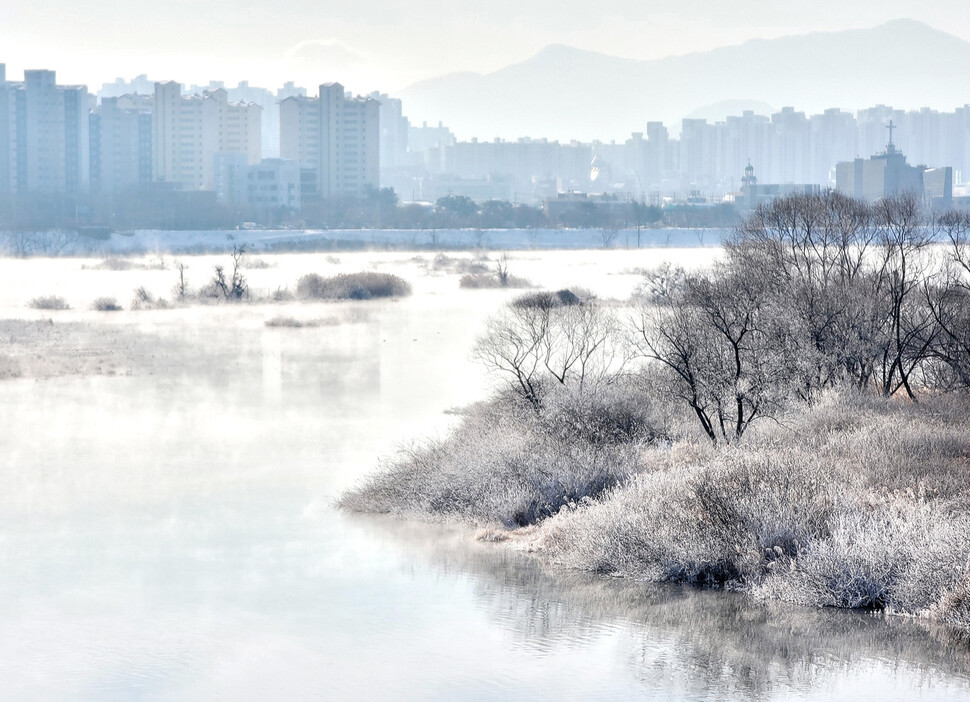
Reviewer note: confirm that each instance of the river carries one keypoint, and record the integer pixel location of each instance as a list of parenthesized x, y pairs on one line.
[(167, 529)]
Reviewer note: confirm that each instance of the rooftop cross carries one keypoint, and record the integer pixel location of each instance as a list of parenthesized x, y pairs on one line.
[(890, 127)]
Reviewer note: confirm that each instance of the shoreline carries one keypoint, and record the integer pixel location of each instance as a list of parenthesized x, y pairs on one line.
[(588, 535), (144, 242)]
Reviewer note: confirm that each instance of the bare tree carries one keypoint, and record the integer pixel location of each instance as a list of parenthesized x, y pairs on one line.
[(512, 345), (848, 276), (502, 270), (581, 345), (181, 284), (910, 327), (543, 340), (716, 345), (236, 287), (948, 299), (56, 241), (21, 243), (608, 236), (813, 254), (662, 284)]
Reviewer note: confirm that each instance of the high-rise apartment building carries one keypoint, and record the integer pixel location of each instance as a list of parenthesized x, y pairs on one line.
[(394, 131), (698, 152), (188, 132), (43, 135), (7, 116), (790, 149), (834, 137), (336, 135), (121, 143)]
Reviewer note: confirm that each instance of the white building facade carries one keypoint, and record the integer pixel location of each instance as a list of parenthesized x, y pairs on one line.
[(188, 132), (121, 143), (44, 135), (338, 136)]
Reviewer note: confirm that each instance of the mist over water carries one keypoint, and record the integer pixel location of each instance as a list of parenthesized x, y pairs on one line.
[(167, 532)]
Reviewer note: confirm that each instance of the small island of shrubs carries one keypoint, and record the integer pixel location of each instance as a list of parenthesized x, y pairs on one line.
[(793, 423), (351, 286)]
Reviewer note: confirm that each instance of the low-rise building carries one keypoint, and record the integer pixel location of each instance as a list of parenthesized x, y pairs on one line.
[(887, 174)]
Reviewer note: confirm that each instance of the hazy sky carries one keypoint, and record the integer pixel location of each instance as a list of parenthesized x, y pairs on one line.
[(386, 45)]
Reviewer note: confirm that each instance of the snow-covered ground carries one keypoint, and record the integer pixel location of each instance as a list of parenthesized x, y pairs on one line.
[(151, 240)]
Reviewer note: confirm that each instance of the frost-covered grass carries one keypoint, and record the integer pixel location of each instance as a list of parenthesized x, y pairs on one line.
[(475, 281), (284, 321), (106, 304), (49, 302), (859, 503), (115, 263), (855, 502), (351, 286), (505, 464)]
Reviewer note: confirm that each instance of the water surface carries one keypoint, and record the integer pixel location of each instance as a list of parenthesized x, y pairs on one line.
[(167, 532)]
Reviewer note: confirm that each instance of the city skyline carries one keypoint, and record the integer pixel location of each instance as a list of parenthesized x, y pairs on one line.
[(205, 150), (380, 46), (903, 63)]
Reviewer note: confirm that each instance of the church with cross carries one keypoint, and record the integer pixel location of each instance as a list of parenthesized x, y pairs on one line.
[(887, 174)]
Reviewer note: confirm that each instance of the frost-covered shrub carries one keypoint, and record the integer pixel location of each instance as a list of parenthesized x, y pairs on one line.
[(106, 304), (143, 299), (855, 503), (49, 302), (615, 413), (281, 294), (954, 606), (351, 286), (545, 300), (902, 555), (500, 465), (282, 321)]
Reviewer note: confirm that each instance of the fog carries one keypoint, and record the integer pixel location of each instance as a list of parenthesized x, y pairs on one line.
[(388, 46), (167, 529)]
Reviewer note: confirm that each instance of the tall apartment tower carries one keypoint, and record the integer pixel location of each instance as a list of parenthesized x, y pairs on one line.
[(394, 130), (335, 135), (6, 117), (190, 132), (43, 135), (121, 143)]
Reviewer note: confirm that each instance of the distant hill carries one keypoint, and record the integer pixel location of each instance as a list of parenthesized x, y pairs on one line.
[(566, 93)]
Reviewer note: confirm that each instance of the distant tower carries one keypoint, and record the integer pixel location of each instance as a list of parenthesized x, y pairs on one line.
[(890, 147), (749, 186), (749, 178)]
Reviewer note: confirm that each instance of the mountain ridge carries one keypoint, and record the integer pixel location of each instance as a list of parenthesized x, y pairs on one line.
[(566, 93)]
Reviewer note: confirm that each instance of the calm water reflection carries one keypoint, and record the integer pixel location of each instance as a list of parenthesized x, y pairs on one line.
[(170, 535), (670, 642)]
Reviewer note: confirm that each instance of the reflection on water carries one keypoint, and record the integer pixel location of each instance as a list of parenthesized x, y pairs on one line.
[(682, 643), (170, 535)]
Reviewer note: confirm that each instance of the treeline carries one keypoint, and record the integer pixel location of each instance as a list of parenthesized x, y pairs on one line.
[(381, 209), (815, 292), (161, 206), (792, 422)]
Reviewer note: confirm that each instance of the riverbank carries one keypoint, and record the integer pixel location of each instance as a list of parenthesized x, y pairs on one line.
[(793, 422), (855, 502), (151, 241)]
